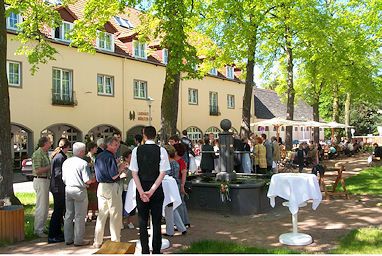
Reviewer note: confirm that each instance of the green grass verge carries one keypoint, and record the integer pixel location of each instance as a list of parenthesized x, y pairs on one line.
[(361, 241), (366, 182), (214, 246)]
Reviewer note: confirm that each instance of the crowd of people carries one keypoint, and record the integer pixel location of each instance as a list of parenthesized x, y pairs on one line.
[(92, 185)]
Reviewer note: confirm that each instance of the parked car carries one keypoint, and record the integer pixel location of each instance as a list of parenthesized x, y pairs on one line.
[(26, 168)]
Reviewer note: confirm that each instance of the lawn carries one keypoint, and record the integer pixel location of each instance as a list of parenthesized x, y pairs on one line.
[(217, 247), (366, 182)]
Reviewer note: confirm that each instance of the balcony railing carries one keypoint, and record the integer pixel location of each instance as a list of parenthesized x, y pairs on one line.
[(64, 99), (214, 110)]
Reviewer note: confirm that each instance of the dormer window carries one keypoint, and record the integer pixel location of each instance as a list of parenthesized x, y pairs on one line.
[(62, 32), (139, 50), (105, 41), (213, 72), (123, 22), (229, 72), (12, 20), (165, 56)]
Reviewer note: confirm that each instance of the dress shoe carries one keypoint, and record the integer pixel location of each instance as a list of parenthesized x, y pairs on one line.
[(84, 243), (55, 240), (69, 243), (167, 235), (184, 232)]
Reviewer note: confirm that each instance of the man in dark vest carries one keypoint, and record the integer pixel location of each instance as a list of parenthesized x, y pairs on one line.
[(149, 163)]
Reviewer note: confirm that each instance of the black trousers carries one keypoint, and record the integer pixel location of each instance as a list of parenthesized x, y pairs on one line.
[(154, 206), (57, 220)]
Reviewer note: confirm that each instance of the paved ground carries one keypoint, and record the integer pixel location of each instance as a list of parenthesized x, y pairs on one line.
[(326, 225)]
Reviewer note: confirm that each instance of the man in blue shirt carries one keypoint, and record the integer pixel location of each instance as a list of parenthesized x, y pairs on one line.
[(109, 192)]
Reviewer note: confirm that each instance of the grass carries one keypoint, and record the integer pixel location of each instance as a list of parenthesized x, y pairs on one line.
[(361, 241), (366, 182), (214, 246)]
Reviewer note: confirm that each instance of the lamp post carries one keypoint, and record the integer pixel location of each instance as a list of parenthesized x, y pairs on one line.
[(149, 102)]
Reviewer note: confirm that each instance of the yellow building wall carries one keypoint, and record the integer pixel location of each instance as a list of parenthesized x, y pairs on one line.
[(31, 105)]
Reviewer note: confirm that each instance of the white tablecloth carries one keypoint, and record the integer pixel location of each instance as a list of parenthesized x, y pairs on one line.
[(170, 190), (297, 188)]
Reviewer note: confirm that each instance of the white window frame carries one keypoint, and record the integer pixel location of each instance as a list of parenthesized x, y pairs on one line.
[(18, 18), (139, 49), (194, 133), (104, 78), (230, 101), (213, 72), (164, 56), (123, 22), (193, 97), (104, 42), (18, 74), (61, 93), (212, 101), (62, 32), (140, 89), (230, 72)]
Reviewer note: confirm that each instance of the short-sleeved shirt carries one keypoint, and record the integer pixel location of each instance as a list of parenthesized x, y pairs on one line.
[(182, 166), (164, 164), (40, 159), (75, 172), (106, 167)]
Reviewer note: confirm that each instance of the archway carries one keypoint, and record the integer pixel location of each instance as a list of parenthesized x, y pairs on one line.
[(213, 130), (132, 132), (57, 131), (22, 144), (194, 133), (102, 131)]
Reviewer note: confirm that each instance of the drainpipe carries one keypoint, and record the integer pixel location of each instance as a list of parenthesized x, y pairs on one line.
[(123, 99)]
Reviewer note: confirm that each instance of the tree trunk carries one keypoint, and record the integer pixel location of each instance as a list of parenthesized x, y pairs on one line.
[(290, 88), (169, 105), (347, 114), (245, 128), (6, 166), (336, 109), (316, 117)]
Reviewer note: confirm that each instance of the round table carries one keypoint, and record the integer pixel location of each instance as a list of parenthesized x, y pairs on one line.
[(297, 188)]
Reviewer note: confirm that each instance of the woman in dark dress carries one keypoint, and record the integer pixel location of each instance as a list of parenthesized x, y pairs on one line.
[(207, 161)]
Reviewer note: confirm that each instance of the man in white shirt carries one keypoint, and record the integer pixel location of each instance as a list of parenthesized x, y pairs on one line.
[(149, 164), (75, 174)]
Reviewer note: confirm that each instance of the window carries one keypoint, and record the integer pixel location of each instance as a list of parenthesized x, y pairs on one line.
[(296, 129), (123, 22), (140, 89), (230, 101), (213, 130), (62, 31), (105, 85), (213, 72), (165, 56), (12, 20), (105, 41), (14, 73), (62, 86), (194, 134), (193, 96), (214, 111), (139, 50), (229, 72)]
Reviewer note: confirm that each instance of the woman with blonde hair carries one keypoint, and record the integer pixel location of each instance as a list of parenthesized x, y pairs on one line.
[(259, 152)]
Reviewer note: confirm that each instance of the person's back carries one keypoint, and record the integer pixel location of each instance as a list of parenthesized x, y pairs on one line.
[(378, 151), (207, 160)]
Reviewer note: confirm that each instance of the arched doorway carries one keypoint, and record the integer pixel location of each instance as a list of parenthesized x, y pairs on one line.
[(57, 131), (132, 132), (194, 133), (102, 131), (22, 144), (213, 130)]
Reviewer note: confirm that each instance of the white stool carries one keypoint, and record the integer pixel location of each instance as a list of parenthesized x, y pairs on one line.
[(295, 238)]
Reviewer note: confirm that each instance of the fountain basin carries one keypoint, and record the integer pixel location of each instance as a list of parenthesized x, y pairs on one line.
[(248, 195)]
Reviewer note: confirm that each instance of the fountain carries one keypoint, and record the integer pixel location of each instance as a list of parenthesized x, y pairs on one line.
[(227, 191)]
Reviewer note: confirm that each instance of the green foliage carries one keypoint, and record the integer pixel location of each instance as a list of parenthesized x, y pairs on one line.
[(365, 118), (361, 241), (216, 247)]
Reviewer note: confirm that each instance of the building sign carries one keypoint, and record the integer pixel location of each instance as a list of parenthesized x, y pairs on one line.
[(143, 116)]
